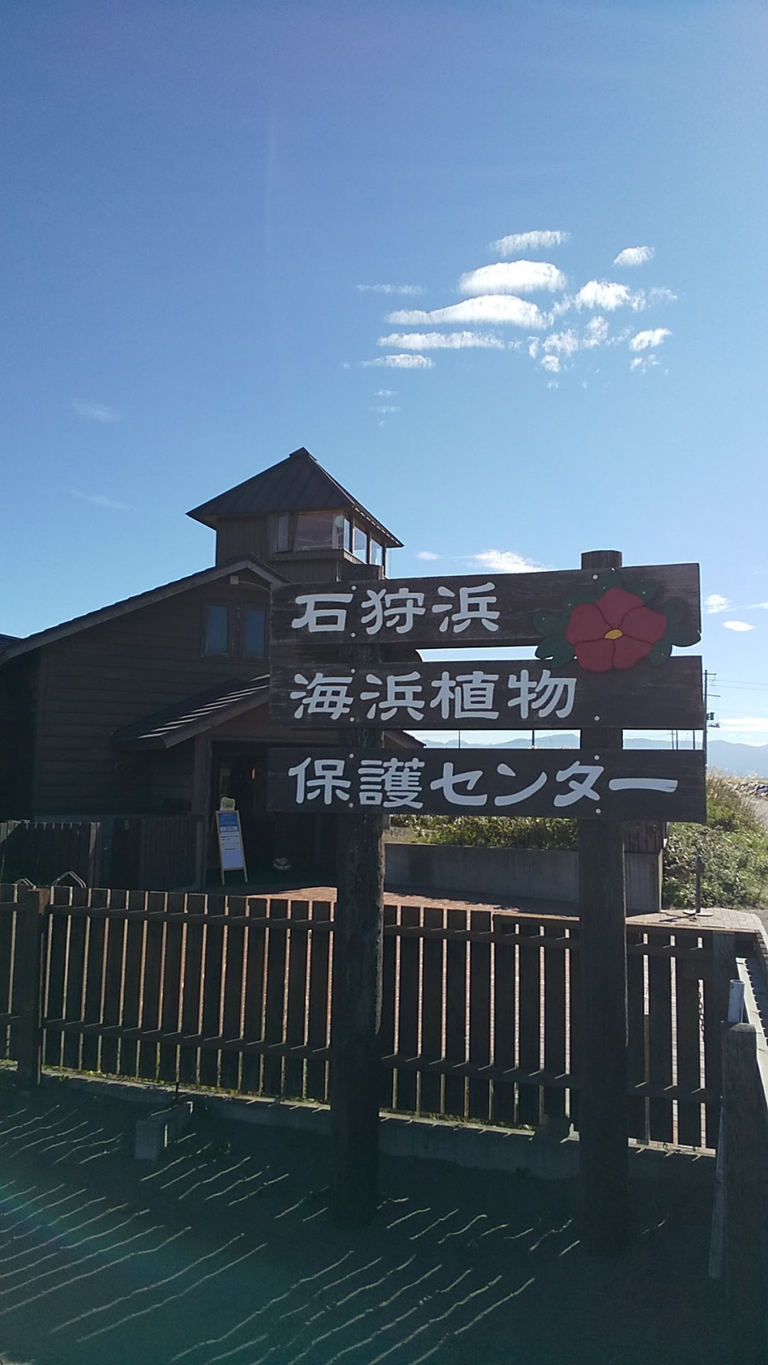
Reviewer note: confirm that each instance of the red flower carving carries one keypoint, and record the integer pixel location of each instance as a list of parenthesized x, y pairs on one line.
[(616, 631)]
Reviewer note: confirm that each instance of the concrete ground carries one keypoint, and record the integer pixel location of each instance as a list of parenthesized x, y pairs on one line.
[(223, 1252)]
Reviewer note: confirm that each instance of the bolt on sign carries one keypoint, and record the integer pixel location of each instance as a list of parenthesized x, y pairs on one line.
[(603, 643)]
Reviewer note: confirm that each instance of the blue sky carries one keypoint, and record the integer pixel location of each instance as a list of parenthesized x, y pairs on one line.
[(500, 266)]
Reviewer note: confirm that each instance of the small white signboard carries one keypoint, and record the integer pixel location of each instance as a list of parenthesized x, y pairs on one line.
[(230, 836)]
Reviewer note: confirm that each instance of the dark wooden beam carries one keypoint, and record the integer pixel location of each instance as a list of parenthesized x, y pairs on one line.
[(603, 1130)]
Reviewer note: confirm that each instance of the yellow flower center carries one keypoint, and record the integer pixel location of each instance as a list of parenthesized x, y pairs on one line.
[(613, 635)]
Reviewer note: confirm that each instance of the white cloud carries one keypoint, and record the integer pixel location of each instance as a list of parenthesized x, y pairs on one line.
[(551, 363), (512, 277), (643, 341), (389, 288), (400, 362), (529, 241), (634, 255), (610, 296), (738, 625), (443, 341), (385, 393), (745, 724), (385, 409), (97, 412), (502, 561), (102, 500), (596, 332), (492, 308), (716, 602), (426, 554)]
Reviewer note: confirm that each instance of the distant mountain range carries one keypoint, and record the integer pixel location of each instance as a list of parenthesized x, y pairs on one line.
[(738, 760)]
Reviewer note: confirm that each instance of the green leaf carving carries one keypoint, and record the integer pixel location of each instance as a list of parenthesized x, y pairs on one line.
[(555, 649), (548, 623), (683, 635), (660, 652)]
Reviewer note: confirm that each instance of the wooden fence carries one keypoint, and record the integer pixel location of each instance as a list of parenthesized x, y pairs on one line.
[(480, 1017), (43, 850)]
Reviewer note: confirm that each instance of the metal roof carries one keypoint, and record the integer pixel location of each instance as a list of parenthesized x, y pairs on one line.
[(297, 483), (142, 599), (194, 715)]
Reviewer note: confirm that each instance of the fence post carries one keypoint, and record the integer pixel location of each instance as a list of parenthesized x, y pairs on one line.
[(28, 986), (744, 1144)]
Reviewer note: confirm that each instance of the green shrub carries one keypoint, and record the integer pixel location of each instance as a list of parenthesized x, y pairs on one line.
[(733, 848)]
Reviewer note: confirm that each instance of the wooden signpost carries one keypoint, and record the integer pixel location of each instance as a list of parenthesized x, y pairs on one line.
[(604, 637)]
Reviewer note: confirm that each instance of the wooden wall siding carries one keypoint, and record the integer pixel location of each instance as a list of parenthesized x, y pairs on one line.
[(238, 537), (19, 690), (113, 674), (479, 1016)]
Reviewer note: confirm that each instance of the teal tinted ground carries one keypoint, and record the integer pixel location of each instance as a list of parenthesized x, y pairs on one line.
[(223, 1252)]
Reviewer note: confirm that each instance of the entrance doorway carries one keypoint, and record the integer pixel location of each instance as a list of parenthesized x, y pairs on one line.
[(277, 846)]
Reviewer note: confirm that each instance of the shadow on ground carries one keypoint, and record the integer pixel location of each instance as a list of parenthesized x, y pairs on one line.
[(223, 1252)]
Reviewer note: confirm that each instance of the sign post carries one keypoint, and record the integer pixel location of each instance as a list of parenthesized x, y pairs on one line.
[(358, 944), (603, 1135), (604, 637)]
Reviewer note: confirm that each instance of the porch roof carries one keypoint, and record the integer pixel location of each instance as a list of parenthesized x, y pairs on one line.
[(194, 715)]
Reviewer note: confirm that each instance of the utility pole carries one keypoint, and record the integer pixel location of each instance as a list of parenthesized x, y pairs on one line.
[(709, 716)]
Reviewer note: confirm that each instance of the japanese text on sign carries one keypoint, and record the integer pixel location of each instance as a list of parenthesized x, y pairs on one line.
[(399, 608), (567, 783), (405, 696)]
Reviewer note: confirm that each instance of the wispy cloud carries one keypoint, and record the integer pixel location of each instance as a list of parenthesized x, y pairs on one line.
[(501, 561), (541, 240), (385, 393), (102, 500), (570, 322), (389, 288), (385, 409), (426, 554), (644, 341), (400, 362), (738, 625), (715, 603), (443, 341), (608, 296), (634, 255), (97, 412), (492, 308), (512, 277)]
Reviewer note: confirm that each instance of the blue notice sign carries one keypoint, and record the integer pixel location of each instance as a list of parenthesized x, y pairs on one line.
[(230, 840)]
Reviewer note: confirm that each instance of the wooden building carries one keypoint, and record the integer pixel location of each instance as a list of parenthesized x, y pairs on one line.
[(143, 714)]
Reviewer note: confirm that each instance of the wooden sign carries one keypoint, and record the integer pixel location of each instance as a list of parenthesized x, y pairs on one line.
[(487, 695), (622, 784), (605, 619)]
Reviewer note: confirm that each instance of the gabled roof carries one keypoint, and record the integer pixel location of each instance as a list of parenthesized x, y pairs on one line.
[(195, 715), (142, 599), (296, 484)]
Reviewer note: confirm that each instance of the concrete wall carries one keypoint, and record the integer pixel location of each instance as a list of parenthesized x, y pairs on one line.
[(508, 873)]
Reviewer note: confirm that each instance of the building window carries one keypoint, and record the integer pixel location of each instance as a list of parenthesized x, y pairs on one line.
[(217, 634), (360, 544), (282, 532), (254, 633), (375, 552), (319, 531)]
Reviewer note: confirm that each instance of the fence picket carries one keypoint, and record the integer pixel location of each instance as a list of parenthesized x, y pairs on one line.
[(319, 1007), (432, 972), (505, 1014), (529, 1095)]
